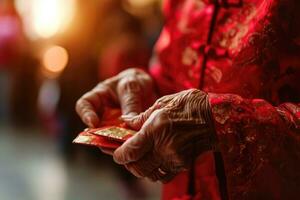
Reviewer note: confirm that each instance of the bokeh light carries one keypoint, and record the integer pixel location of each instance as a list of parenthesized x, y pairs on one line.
[(45, 18), (55, 59)]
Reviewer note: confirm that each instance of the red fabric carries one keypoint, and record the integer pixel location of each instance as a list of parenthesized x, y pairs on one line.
[(253, 55), (260, 145)]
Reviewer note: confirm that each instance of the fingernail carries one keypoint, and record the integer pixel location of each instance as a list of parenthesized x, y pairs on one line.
[(126, 117), (129, 115), (132, 114), (89, 121)]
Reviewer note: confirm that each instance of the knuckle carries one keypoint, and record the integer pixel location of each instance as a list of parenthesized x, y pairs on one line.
[(137, 73), (128, 72), (130, 103), (131, 71), (101, 88), (87, 95), (78, 104), (110, 82), (129, 84), (163, 101), (160, 118)]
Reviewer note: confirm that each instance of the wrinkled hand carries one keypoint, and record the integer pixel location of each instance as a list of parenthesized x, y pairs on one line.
[(132, 90), (173, 132)]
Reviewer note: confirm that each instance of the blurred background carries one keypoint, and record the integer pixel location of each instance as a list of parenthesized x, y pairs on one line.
[(51, 52)]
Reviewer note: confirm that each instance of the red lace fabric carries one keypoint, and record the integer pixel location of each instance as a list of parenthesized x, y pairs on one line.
[(251, 69)]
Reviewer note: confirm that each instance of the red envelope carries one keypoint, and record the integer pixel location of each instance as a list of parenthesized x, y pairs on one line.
[(118, 133), (111, 117), (112, 133), (87, 138)]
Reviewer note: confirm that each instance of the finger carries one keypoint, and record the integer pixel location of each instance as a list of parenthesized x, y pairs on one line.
[(150, 171), (90, 106), (86, 109), (130, 96), (134, 148), (155, 175), (142, 142), (145, 166), (132, 171), (168, 174), (107, 151), (136, 122)]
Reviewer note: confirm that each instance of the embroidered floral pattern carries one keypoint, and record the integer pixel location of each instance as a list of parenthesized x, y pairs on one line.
[(254, 54)]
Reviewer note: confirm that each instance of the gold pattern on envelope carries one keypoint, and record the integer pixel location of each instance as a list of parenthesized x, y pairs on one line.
[(82, 139), (115, 132)]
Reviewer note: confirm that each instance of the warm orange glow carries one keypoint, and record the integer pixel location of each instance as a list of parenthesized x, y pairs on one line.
[(55, 59), (45, 18)]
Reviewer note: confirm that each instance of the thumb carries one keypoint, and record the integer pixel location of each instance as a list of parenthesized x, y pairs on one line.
[(136, 122), (133, 149), (130, 96)]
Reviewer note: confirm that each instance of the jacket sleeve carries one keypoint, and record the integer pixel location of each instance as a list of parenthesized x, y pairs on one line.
[(260, 146)]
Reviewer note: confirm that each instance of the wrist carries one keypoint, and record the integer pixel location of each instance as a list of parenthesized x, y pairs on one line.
[(206, 139), (211, 125)]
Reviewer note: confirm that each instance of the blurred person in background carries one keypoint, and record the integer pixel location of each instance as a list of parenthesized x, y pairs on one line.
[(237, 135), (18, 69), (126, 41), (10, 33)]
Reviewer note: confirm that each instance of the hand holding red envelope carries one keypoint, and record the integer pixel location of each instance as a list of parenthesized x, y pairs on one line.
[(112, 133)]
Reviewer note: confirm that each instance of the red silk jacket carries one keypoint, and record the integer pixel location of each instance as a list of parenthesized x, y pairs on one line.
[(246, 54)]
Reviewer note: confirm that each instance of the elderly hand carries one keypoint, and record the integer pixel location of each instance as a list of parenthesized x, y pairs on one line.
[(132, 90), (173, 132)]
